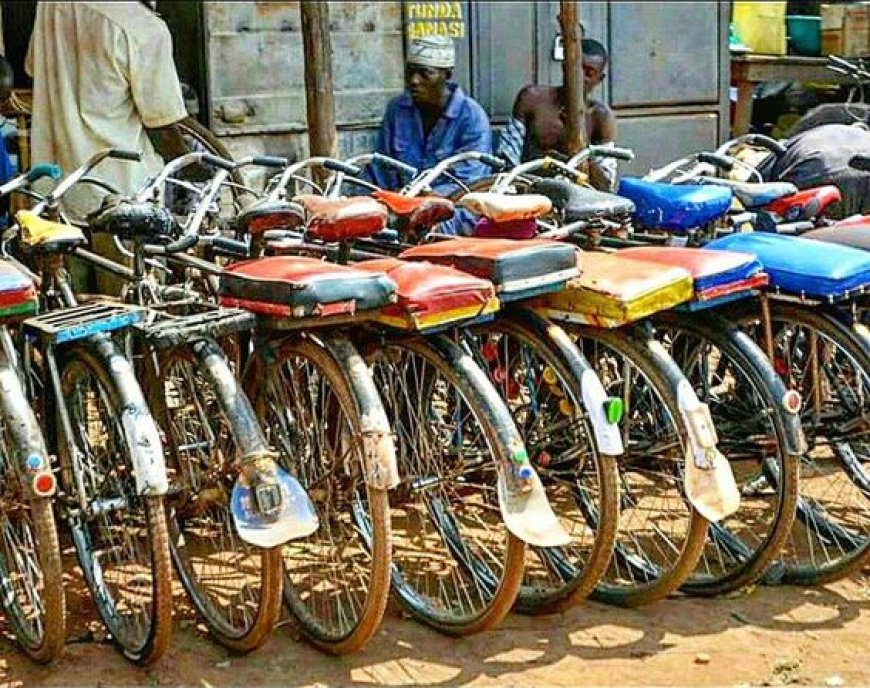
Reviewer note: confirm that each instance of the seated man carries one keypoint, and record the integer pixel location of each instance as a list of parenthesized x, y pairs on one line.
[(538, 122), (431, 121)]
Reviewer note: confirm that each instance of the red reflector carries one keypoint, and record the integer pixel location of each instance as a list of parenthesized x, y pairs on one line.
[(44, 484), (791, 401)]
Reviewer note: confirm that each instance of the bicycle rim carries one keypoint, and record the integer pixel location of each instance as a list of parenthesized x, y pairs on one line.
[(336, 581), (121, 541), (456, 567)]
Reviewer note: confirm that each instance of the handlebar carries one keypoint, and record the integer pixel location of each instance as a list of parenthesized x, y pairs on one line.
[(343, 167), (430, 175), (36, 172), (76, 176), (601, 151), (368, 158), (860, 162), (720, 161)]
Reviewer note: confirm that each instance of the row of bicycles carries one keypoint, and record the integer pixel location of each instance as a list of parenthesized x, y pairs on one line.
[(307, 398)]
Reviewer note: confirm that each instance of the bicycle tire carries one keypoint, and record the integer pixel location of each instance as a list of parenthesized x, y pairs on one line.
[(151, 523), (565, 575), (372, 548), (449, 546), (234, 586), (752, 538), (36, 615), (821, 517), (656, 580)]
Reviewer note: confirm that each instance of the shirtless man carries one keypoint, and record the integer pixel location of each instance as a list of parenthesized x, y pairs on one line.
[(538, 121)]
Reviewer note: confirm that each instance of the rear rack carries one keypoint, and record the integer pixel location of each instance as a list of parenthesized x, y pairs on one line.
[(179, 322), (80, 322)]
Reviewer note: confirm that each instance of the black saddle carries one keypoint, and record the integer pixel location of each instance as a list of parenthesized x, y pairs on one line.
[(128, 219), (578, 203)]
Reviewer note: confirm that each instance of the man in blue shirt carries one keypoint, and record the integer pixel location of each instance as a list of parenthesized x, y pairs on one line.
[(431, 121)]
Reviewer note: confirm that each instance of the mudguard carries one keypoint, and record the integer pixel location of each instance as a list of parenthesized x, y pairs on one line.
[(523, 502)]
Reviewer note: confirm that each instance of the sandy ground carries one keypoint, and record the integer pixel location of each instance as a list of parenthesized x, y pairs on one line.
[(769, 636)]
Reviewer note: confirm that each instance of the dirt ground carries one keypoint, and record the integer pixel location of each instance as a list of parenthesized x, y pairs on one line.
[(769, 636)]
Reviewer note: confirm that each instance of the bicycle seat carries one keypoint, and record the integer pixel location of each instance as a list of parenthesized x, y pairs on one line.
[(266, 214), (431, 295), (17, 292), (674, 207), (128, 219), (506, 208), (715, 274), (298, 287), (44, 236), (856, 236), (797, 266), (806, 204), (754, 195), (417, 212), (512, 266), (342, 219), (579, 203)]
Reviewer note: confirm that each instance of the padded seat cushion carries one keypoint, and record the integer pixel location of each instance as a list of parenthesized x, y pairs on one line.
[(579, 203), (508, 264), (128, 219), (266, 214), (800, 266), (848, 235), (431, 295), (506, 207), (806, 204), (673, 207), (714, 273), (416, 212), (303, 286), (514, 229), (17, 291), (342, 219), (614, 291), (754, 195), (41, 235)]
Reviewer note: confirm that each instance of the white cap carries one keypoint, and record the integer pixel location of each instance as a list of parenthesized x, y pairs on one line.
[(432, 51)]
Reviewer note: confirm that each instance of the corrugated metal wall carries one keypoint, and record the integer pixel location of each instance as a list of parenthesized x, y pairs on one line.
[(667, 80)]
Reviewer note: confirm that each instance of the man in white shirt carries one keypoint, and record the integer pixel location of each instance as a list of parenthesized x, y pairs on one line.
[(103, 77)]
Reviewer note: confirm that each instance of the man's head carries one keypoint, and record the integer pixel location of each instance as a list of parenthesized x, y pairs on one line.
[(594, 63), (428, 68)]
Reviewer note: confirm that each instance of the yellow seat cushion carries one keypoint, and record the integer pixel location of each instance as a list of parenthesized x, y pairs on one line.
[(38, 232)]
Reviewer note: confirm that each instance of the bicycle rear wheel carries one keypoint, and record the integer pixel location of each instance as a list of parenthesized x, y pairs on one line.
[(732, 376), (456, 567), (816, 354), (121, 539), (544, 395), (661, 536), (336, 581), (235, 586)]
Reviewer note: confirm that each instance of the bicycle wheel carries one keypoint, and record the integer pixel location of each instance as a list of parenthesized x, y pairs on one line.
[(732, 376), (816, 354), (336, 581), (545, 399), (121, 539), (456, 567), (235, 586), (661, 536), (30, 566)]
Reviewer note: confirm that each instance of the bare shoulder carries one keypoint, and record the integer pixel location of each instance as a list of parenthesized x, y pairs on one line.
[(531, 97)]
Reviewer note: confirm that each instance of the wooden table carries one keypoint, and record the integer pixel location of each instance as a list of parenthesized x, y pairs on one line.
[(749, 70)]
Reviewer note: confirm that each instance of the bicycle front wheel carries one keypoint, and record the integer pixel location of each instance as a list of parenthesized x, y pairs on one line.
[(120, 536)]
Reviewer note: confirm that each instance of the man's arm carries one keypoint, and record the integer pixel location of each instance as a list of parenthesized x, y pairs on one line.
[(476, 136), (512, 140), (602, 171)]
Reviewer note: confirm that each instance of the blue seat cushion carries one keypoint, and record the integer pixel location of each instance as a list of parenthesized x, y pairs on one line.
[(803, 266), (675, 207)]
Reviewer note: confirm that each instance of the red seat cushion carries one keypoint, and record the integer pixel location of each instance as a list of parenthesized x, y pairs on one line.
[(806, 204), (485, 228), (432, 294), (417, 212), (342, 219), (17, 291), (266, 214)]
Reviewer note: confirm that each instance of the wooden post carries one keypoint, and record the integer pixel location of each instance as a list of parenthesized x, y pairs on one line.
[(319, 96), (572, 76)]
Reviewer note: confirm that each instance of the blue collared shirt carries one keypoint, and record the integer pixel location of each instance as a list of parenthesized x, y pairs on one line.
[(463, 126)]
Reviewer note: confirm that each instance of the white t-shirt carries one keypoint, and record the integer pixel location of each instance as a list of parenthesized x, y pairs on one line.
[(102, 72)]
